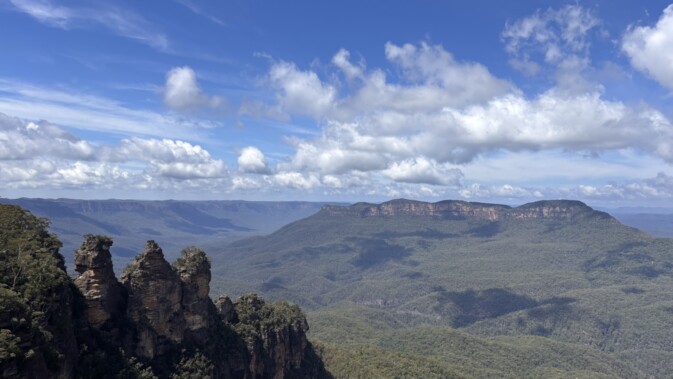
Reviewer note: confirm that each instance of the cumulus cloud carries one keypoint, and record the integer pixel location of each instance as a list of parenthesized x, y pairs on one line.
[(443, 113), (301, 92), (331, 155), (428, 78), (432, 78), (245, 183), (293, 179), (423, 123), (175, 159), (459, 135), (42, 155), (252, 160), (650, 48), (58, 174), (434, 67), (58, 160), (20, 140), (421, 170), (352, 71), (182, 91)]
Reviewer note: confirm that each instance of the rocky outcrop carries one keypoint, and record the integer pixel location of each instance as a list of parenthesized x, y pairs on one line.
[(169, 309), (225, 308), (277, 343), (193, 270), (154, 302), (97, 280), (456, 209)]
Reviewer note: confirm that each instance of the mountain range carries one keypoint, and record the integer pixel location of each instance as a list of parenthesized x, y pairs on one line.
[(438, 281)]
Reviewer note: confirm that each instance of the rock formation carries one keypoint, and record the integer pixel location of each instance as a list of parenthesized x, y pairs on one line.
[(154, 302), (456, 209), (97, 280), (193, 270), (159, 311), (225, 308), (277, 343)]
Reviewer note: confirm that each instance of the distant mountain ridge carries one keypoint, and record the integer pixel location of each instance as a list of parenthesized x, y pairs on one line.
[(176, 223), (551, 209)]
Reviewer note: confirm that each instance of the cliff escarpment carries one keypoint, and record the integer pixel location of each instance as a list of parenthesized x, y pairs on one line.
[(156, 321), (457, 209)]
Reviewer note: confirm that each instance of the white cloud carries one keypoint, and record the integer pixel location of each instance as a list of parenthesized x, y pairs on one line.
[(332, 181), (650, 48), (182, 91), (179, 167), (435, 68), (434, 80), (342, 60), (54, 174), (430, 123), (183, 170), (119, 21), (245, 183), (175, 159), (301, 92), (252, 160), (422, 170), (585, 123), (20, 140), (164, 150), (88, 174), (335, 156), (41, 155), (295, 179)]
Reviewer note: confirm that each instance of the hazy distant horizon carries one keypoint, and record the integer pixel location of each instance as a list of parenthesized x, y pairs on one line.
[(628, 208)]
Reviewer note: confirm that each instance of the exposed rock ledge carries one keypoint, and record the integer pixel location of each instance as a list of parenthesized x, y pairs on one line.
[(457, 209)]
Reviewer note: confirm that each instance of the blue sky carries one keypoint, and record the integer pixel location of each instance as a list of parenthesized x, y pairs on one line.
[(347, 101)]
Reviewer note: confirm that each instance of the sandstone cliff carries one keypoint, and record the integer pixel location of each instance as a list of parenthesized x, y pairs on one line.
[(97, 280), (155, 302), (456, 209)]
